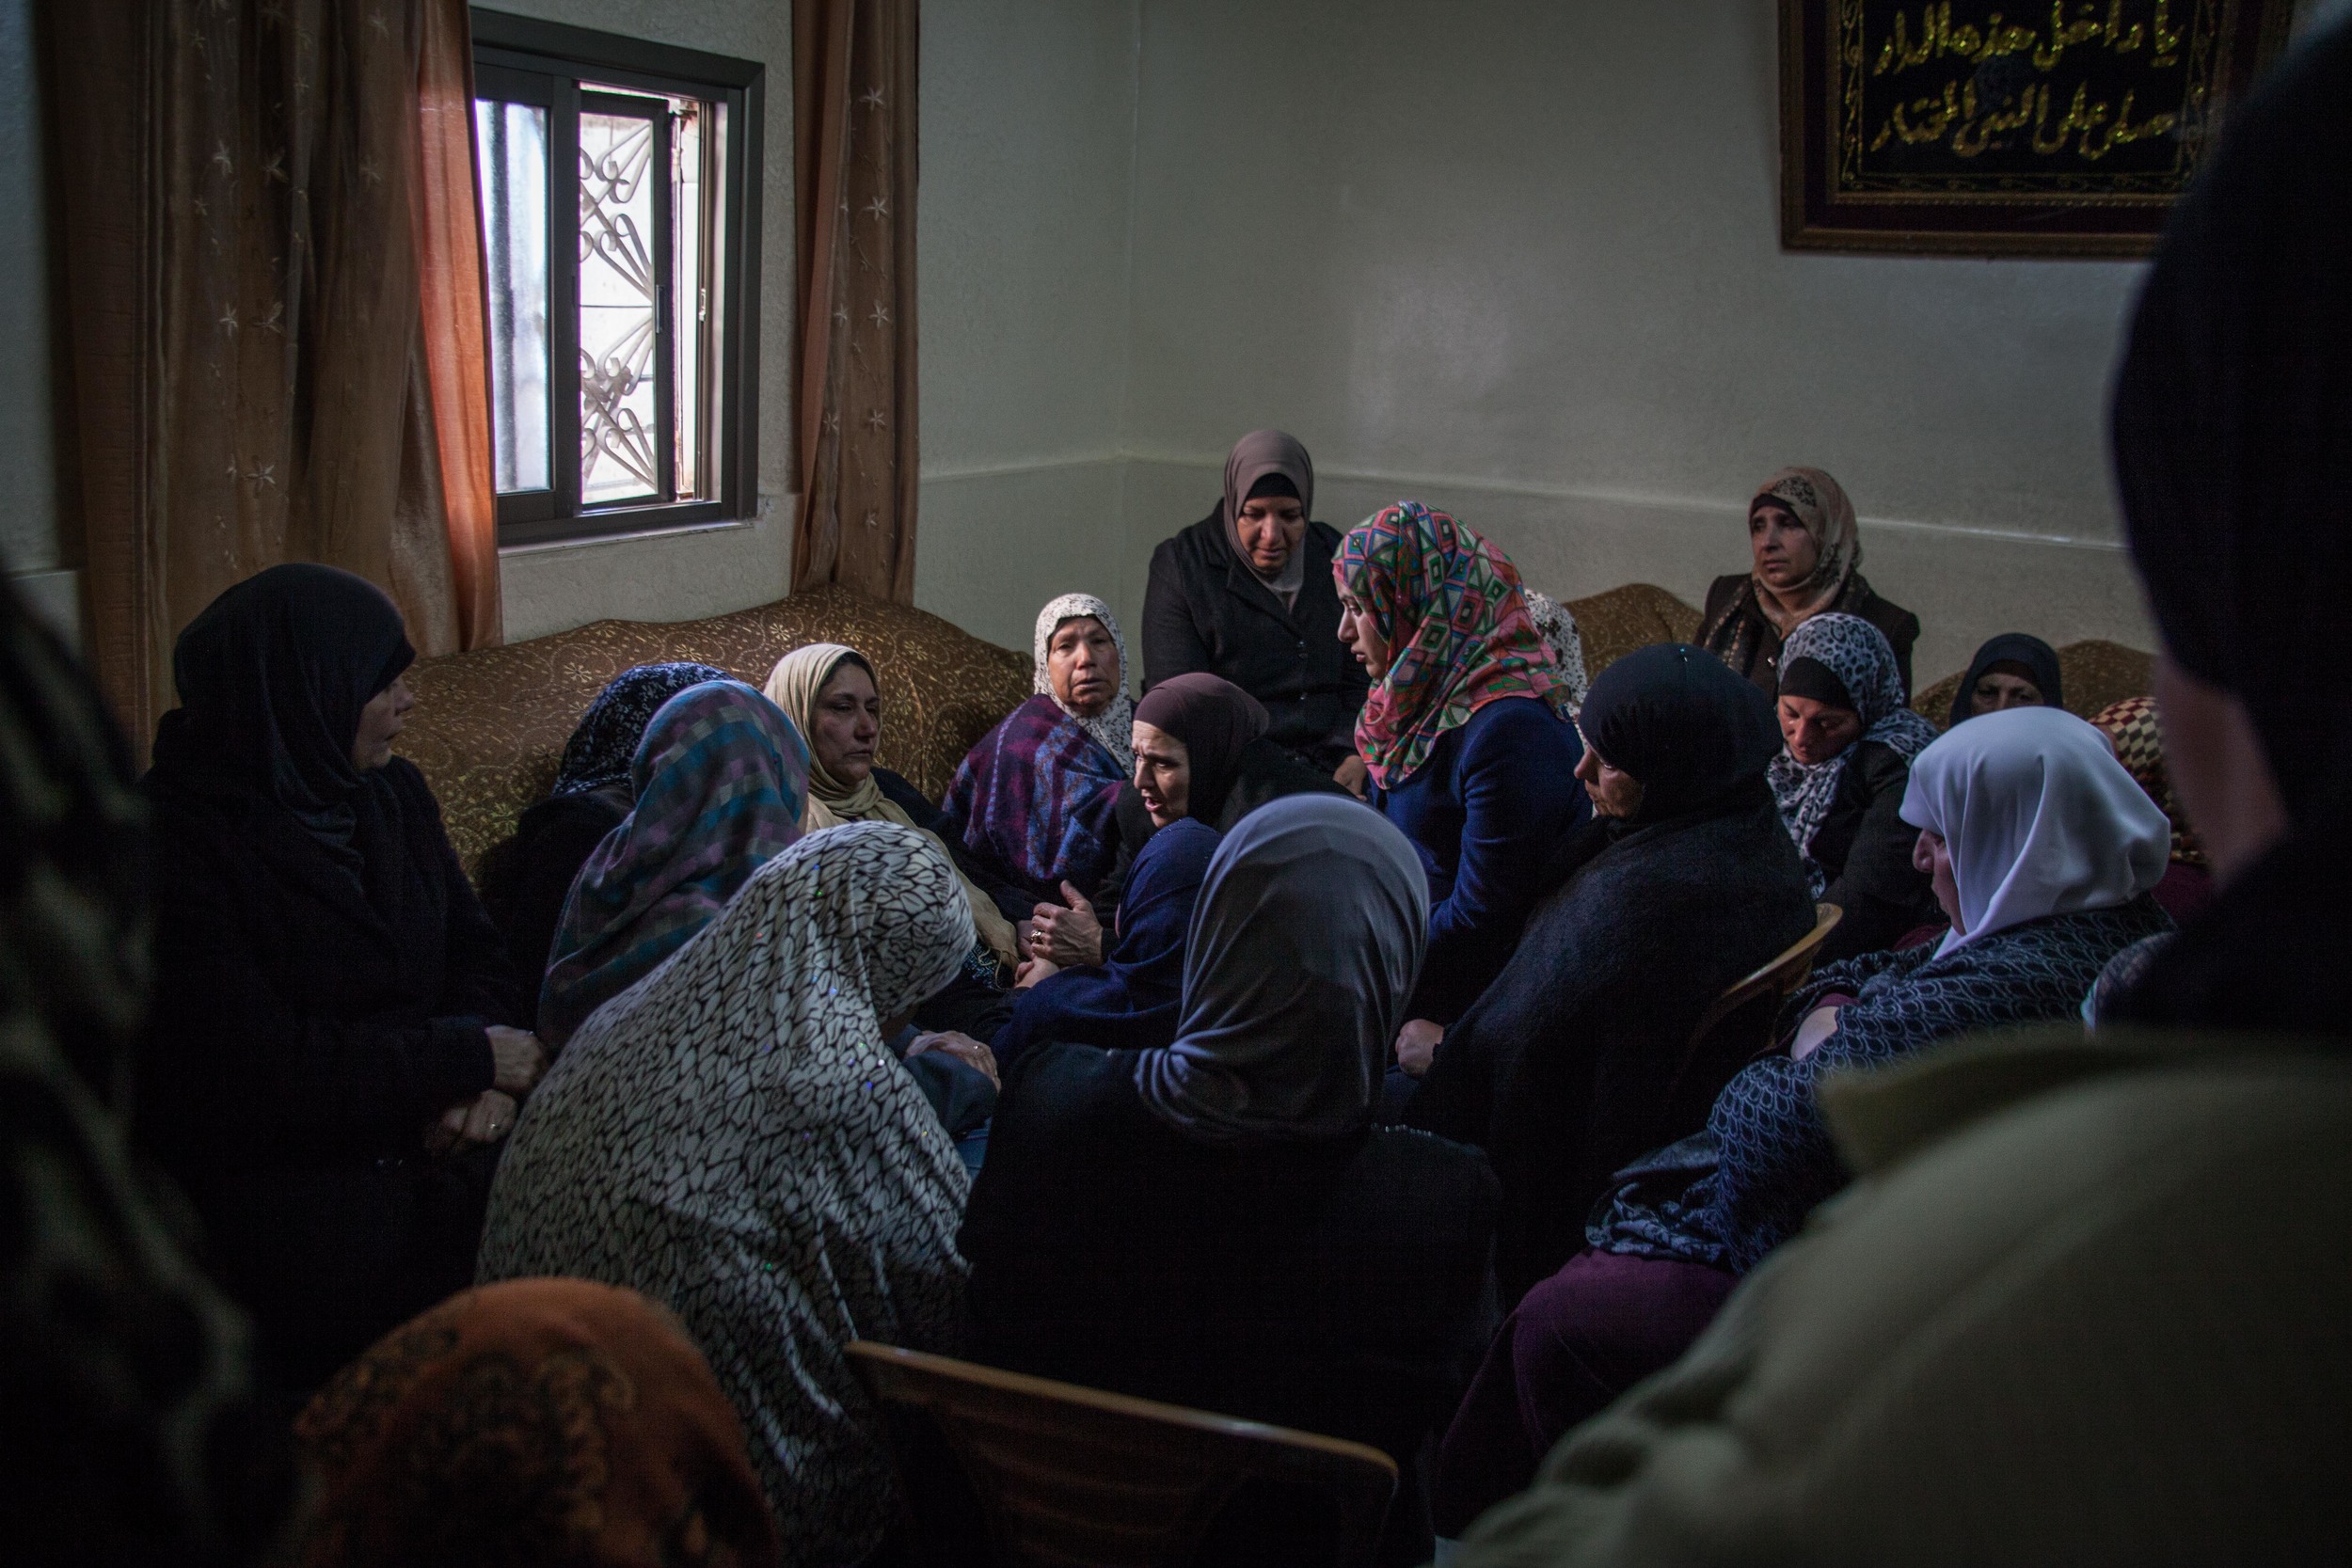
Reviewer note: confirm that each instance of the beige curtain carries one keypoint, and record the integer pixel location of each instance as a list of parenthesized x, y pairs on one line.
[(854, 102), (271, 307)]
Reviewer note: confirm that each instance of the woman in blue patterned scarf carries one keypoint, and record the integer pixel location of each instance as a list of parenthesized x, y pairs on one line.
[(1839, 780), (721, 779)]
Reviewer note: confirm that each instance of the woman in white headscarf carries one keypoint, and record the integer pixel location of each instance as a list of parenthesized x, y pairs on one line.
[(730, 1137), (2043, 852), (1218, 1224), (1039, 794)]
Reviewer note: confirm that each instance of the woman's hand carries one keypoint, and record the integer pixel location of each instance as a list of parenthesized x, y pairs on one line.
[(483, 1119), (1353, 776), (963, 1047), (1066, 937), (1818, 1025), (517, 1059), (1034, 969), (1417, 1045)]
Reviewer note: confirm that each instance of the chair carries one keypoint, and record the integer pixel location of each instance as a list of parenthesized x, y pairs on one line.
[(1738, 1024), (1012, 1471)]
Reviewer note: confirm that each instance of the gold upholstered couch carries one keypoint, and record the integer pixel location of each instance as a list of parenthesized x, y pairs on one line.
[(489, 725)]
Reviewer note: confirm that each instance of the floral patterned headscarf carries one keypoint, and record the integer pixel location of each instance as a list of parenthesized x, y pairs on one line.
[(1820, 505), (1450, 606)]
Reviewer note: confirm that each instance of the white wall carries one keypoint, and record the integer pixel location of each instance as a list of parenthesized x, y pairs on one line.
[(1517, 257), (1029, 139)]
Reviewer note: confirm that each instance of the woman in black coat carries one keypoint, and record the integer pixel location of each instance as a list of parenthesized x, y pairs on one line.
[(1218, 1224), (1574, 1059), (1246, 593), (333, 1057)]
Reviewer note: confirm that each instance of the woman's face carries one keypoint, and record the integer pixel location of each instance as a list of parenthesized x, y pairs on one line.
[(848, 723), (1357, 632), (1163, 773), (1815, 731), (1082, 661), (1933, 859), (1785, 553), (1270, 528), (2002, 686), (1615, 792), (384, 717)]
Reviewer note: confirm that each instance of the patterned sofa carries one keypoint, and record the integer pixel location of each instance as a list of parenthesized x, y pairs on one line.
[(490, 726)]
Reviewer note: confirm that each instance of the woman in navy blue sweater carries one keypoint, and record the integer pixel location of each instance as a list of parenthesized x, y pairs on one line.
[(1466, 735)]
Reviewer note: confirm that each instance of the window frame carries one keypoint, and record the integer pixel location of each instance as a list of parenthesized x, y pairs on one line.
[(514, 53)]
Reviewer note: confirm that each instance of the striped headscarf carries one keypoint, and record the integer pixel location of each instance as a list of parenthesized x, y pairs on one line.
[(721, 779), (1450, 606)]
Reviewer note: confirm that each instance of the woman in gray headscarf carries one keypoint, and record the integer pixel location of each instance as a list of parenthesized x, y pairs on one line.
[(1218, 1224), (1246, 594)]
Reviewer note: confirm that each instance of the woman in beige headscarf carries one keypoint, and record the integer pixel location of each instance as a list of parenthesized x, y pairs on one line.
[(1807, 554), (830, 691)]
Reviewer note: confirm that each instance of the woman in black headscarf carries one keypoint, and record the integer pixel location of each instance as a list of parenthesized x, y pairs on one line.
[(1202, 752), (334, 1054), (1246, 593), (525, 878), (1574, 1059), (2010, 671)]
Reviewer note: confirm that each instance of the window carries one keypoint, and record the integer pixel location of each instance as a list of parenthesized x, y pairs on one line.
[(620, 226)]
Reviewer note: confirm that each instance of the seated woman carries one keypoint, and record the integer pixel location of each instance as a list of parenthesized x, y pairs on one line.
[(1574, 1060), (1126, 1001), (1244, 594), (526, 880), (2130, 726), (2043, 853), (1038, 794), (829, 691), (1840, 780), (335, 1036), (1469, 748), (1218, 1224), (1808, 561), (614, 1441), (1201, 754), (2010, 671), (720, 1139), (720, 777)]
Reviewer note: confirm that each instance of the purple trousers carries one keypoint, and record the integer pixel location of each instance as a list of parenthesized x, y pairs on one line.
[(1575, 1342)]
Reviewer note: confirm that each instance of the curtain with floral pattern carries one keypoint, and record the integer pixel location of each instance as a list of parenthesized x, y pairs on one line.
[(270, 315)]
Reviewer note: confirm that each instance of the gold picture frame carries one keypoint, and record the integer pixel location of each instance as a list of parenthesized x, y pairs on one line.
[(1975, 128)]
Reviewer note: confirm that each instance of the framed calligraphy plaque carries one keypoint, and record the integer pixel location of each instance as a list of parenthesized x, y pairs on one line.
[(1980, 128)]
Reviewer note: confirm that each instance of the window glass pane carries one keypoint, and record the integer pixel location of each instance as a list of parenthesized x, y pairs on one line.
[(618, 309), (512, 143)]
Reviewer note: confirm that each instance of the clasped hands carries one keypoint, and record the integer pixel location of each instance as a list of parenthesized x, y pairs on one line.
[(516, 1061), (1060, 937)]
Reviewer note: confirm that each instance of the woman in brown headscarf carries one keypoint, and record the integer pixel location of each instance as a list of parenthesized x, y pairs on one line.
[(1808, 558), (1246, 594), (537, 1423)]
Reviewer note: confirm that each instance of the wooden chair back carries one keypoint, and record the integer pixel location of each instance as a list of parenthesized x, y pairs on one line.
[(1738, 1024), (1009, 1471)]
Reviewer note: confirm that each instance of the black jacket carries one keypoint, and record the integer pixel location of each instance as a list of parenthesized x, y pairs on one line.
[(1864, 845), (1573, 1063), (1340, 1287), (526, 880), (1750, 643), (308, 1024), (1205, 610)]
